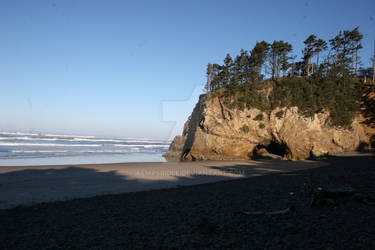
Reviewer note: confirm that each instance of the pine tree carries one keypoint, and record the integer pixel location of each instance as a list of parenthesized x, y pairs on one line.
[(346, 46), (242, 67), (319, 46), (356, 38), (308, 51), (258, 57), (278, 57), (227, 70)]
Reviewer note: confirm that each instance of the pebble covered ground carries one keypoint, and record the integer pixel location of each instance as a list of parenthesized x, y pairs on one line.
[(207, 216)]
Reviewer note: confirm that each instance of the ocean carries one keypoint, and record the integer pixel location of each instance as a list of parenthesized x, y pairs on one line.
[(26, 149)]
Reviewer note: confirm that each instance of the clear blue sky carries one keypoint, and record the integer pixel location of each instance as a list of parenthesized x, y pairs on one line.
[(105, 67)]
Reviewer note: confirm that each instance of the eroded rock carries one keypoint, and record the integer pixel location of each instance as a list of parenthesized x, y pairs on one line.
[(215, 132)]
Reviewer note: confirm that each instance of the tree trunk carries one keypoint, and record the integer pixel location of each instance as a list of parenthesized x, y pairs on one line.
[(308, 66), (278, 69), (274, 67), (259, 72), (353, 62), (356, 61)]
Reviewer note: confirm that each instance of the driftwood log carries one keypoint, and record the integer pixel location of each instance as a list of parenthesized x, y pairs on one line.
[(324, 197), (277, 212)]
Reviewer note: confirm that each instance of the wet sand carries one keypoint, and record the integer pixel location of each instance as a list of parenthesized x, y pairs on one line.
[(35, 184)]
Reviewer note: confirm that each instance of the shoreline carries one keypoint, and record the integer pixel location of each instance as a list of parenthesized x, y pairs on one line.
[(82, 159), (29, 185)]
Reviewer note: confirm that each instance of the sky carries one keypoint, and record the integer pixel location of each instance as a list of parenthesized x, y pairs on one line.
[(136, 68)]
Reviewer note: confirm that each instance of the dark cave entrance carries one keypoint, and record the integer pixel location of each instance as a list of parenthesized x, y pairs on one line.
[(275, 148)]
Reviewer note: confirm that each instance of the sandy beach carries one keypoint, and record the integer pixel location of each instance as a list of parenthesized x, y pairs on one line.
[(35, 184), (204, 216)]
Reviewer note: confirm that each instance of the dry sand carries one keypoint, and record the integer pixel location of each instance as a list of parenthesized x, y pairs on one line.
[(36, 184)]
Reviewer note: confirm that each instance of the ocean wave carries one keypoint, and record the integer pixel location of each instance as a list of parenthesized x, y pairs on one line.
[(75, 138), (18, 145), (14, 144), (72, 151), (17, 133), (58, 139), (144, 145), (23, 138)]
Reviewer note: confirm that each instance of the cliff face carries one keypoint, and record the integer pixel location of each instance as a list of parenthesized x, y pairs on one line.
[(215, 132)]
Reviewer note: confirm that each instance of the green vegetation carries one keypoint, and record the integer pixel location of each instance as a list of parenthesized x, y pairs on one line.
[(261, 125), (268, 77), (245, 129), (259, 117), (280, 114)]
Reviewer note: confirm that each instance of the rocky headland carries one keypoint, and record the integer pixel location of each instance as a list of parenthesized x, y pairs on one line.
[(216, 132)]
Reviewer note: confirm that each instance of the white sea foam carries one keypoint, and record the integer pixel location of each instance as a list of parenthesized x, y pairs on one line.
[(74, 151), (156, 146), (78, 136), (24, 138), (96, 140), (55, 137), (144, 145), (11, 144), (18, 133), (32, 139), (18, 145)]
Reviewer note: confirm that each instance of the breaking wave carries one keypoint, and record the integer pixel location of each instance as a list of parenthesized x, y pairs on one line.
[(32, 145)]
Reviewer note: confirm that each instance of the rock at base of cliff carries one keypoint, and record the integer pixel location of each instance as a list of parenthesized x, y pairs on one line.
[(175, 149)]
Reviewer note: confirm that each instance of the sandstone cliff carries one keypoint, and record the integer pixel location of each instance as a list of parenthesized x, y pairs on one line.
[(215, 132)]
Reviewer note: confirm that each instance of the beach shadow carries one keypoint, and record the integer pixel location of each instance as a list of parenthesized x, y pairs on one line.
[(265, 167), (28, 186), (32, 186), (150, 219)]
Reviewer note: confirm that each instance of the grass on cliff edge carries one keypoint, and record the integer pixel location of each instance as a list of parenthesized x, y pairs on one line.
[(342, 98)]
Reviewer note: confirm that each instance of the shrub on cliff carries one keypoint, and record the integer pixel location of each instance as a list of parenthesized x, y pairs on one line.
[(245, 129), (280, 114), (341, 98), (259, 117)]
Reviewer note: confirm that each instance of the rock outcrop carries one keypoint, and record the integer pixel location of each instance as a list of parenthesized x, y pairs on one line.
[(216, 132)]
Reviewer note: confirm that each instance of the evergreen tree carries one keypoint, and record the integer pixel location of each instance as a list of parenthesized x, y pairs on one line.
[(242, 67), (227, 70), (215, 82), (278, 57), (356, 38), (210, 76), (308, 51), (319, 46), (346, 46), (258, 57)]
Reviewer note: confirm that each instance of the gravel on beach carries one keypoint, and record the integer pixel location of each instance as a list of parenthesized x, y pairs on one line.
[(207, 215)]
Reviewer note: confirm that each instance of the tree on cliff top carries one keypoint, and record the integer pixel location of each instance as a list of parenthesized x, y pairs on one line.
[(272, 59), (346, 46), (308, 52), (258, 56), (309, 85), (278, 57)]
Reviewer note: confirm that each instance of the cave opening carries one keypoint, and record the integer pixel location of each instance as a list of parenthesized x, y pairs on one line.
[(275, 148)]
